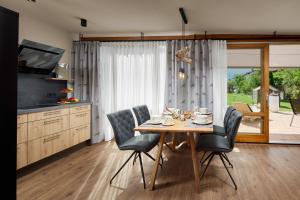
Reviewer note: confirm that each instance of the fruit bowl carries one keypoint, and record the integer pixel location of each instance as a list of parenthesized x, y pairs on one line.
[(70, 100)]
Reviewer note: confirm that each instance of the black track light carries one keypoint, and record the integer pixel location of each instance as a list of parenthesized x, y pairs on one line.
[(83, 22)]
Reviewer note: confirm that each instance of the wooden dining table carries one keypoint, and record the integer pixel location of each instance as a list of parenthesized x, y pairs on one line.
[(180, 127)]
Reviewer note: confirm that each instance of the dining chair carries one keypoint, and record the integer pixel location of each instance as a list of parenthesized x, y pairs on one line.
[(219, 130), (218, 145), (122, 123), (295, 104), (142, 115)]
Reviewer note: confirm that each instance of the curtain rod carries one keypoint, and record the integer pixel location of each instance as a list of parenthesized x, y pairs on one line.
[(228, 37)]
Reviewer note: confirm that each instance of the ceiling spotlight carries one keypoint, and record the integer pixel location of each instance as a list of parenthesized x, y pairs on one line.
[(31, 0), (83, 22)]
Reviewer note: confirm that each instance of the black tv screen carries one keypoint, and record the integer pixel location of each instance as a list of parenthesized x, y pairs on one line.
[(37, 57)]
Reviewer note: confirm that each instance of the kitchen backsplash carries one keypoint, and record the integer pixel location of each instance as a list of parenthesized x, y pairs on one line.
[(34, 89)]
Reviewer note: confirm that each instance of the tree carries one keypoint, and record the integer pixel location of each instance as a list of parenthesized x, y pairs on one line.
[(288, 80)]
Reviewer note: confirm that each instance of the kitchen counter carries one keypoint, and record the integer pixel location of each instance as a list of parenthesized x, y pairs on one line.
[(54, 107)]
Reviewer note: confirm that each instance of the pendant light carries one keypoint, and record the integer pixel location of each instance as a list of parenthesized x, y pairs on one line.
[(182, 54)]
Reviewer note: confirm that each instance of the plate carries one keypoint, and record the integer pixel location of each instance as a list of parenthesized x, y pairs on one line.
[(203, 123), (153, 122), (169, 124), (209, 113), (167, 113)]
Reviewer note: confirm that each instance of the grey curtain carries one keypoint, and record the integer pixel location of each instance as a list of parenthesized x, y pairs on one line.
[(197, 88), (85, 73)]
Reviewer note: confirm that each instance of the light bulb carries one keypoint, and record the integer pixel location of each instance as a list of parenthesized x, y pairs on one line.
[(181, 75)]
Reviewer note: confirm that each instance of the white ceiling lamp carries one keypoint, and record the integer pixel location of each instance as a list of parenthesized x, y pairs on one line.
[(182, 54)]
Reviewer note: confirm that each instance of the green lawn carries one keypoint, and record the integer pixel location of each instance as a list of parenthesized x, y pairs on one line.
[(232, 97)]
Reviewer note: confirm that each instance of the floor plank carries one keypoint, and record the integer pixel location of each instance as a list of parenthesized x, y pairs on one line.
[(261, 171)]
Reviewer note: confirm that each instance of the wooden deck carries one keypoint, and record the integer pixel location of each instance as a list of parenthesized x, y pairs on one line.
[(261, 172)]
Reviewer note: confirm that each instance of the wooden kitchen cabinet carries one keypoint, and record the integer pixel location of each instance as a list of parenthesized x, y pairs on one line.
[(79, 134), (22, 155), (22, 148), (62, 141), (49, 132), (40, 128), (21, 133), (78, 109), (21, 118), (48, 145), (47, 114), (79, 119)]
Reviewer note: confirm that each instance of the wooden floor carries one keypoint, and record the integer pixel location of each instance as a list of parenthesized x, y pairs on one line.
[(261, 172)]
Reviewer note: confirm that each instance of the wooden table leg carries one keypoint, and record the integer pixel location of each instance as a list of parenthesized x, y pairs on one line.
[(173, 142), (195, 161), (157, 161)]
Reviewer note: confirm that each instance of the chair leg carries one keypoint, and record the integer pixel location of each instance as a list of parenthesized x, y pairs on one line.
[(152, 158), (168, 146), (292, 120), (211, 157), (121, 167), (141, 165), (207, 158), (134, 159), (203, 156), (228, 171), (227, 159)]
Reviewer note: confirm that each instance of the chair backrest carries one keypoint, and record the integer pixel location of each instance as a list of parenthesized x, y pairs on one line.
[(295, 104), (232, 126), (227, 114), (141, 113), (122, 123)]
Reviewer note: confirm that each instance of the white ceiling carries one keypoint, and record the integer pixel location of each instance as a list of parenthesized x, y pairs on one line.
[(106, 17)]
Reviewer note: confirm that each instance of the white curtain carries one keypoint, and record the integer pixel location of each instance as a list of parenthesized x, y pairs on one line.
[(196, 89), (218, 59), (131, 74)]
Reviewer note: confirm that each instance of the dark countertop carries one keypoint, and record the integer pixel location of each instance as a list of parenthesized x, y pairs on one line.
[(47, 108)]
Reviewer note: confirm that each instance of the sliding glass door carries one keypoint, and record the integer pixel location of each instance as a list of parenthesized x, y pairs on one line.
[(248, 89), (285, 97)]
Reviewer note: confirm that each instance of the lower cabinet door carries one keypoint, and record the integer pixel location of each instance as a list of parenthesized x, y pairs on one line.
[(39, 149), (62, 141), (79, 134), (22, 155), (34, 150)]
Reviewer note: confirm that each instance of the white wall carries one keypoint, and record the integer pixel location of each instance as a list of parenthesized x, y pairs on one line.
[(39, 31)]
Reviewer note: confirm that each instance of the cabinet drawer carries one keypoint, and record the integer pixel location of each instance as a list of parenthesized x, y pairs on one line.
[(46, 127), (21, 133), (62, 141), (21, 119), (78, 109), (39, 149), (48, 145), (80, 134), (79, 119), (47, 114), (21, 155)]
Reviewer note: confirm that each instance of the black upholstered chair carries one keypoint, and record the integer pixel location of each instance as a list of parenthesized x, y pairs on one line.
[(219, 130), (142, 115), (219, 145), (123, 124)]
